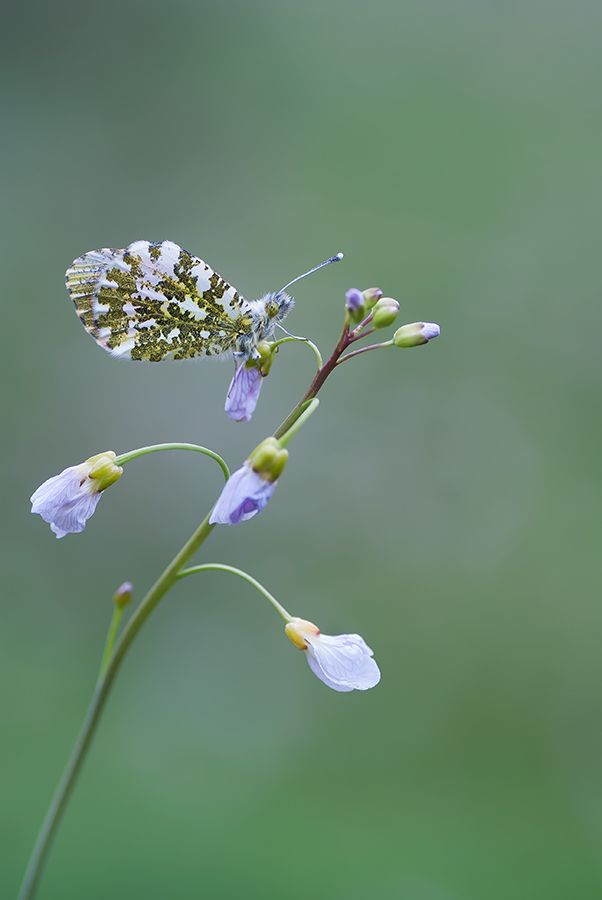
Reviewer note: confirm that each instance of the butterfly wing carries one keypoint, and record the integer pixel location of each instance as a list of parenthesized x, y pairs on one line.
[(155, 301)]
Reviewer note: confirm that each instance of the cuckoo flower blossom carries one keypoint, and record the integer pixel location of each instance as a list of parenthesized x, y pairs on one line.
[(248, 491), (243, 393), (344, 662), (67, 501)]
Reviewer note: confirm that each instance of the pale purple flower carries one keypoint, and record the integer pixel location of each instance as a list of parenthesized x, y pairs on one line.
[(344, 662), (245, 494), (243, 393), (66, 501)]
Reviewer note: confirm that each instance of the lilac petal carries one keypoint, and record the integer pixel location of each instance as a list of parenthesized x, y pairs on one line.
[(243, 393), (354, 300), (343, 662), (430, 330), (244, 495), (72, 519), (65, 501)]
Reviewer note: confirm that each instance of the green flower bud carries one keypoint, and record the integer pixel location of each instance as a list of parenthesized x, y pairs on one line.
[(385, 312), (355, 306), (123, 595), (268, 459), (371, 295), (415, 334), (102, 470), (266, 356)]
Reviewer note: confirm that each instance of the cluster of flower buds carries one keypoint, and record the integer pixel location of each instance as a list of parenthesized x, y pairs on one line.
[(249, 489), (359, 303), (370, 308)]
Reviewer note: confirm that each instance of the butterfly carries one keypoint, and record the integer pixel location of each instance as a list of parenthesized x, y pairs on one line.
[(154, 301)]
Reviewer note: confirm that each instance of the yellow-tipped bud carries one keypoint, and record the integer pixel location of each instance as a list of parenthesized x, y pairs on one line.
[(385, 312), (268, 459), (103, 471), (298, 630)]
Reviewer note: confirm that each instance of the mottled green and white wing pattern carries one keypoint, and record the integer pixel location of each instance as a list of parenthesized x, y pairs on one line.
[(155, 301)]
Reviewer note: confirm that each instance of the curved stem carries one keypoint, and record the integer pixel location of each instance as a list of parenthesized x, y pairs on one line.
[(364, 350), (222, 567), (318, 380), (103, 687), (301, 340), (110, 667), (158, 448)]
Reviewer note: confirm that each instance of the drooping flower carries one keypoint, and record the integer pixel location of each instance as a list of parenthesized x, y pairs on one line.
[(344, 662), (243, 393), (248, 490), (66, 501)]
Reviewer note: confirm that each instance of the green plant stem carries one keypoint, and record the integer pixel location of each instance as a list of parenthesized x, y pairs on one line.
[(300, 340), (364, 350), (99, 698), (159, 448), (110, 641), (318, 380), (165, 581), (308, 409), (222, 567)]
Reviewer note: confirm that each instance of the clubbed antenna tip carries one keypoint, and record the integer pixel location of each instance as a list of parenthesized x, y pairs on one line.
[(332, 259)]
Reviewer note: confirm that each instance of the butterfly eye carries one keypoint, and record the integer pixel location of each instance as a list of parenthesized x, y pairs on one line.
[(271, 309)]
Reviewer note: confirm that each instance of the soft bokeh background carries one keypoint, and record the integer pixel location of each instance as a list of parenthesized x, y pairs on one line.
[(445, 503)]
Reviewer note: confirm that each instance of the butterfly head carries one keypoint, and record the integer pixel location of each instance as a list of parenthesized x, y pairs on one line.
[(270, 310)]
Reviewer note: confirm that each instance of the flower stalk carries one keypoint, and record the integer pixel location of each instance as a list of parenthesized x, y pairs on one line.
[(343, 662)]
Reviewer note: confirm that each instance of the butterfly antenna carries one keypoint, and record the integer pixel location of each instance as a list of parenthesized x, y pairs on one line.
[(336, 258)]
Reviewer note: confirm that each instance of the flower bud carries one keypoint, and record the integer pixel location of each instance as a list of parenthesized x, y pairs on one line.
[(415, 334), (123, 595), (371, 295), (385, 312), (354, 304), (298, 630), (266, 356), (268, 459), (102, 470)]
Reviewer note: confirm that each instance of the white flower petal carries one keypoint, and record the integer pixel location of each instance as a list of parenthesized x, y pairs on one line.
[(343, 662), (66, 501)]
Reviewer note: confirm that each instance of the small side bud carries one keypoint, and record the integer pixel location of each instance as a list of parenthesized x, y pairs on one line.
[(266, 356), (102, 470), (371, 296), (385, 312), (298, 630), (354, 304), (268, 459), (123, 595), (415, 334)]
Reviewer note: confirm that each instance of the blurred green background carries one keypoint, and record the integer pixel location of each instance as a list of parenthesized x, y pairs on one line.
[(445, 503)]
